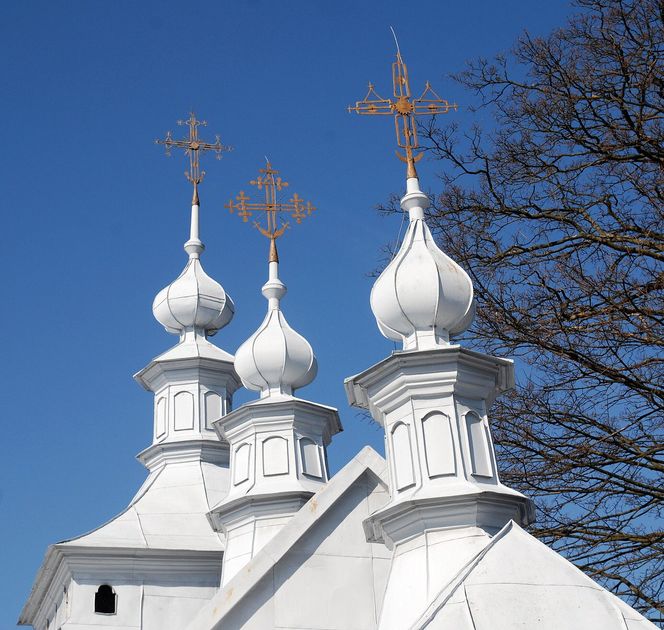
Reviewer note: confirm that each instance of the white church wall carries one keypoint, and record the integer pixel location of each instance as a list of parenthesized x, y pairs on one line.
[(152, 590), (82, 601), (173, 607), (158, 604), (246, 538)]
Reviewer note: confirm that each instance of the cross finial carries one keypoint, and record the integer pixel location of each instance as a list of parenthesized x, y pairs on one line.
[(193, 146), (405, 110), (272, 227)]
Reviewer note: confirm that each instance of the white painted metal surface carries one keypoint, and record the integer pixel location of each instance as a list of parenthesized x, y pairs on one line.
[(193, 301), (422, 296), (427, 539), (275, 360)]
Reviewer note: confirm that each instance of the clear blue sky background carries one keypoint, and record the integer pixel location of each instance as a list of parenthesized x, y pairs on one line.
[(95, 216)]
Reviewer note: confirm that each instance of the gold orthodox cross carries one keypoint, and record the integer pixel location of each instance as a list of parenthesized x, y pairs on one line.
[(193, 146), (272, 227), (405, 110)]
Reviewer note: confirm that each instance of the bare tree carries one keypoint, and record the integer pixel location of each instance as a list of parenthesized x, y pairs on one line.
[(557, 214)]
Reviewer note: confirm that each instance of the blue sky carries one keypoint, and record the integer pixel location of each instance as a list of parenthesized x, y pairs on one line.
[(95, 215)]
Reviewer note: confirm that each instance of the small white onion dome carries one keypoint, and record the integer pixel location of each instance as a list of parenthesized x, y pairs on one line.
[(275, 360), (193, 301), (422, 296)]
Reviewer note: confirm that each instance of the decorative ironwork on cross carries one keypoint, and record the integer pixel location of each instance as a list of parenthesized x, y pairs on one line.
[(273, 226), (405, 110), (193, 147)]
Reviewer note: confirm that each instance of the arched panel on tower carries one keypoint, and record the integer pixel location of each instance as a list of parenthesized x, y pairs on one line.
[(212, 408), (183, 404), (275, 456), (160, 418), (478, 443), (438, 445), (241, 464), (403, 456), (310, 456)]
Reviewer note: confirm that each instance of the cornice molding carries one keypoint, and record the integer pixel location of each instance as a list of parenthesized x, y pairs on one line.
[(407, 375), (489, 510), (211, 451), (160, 372), (281, 414), (257, 506)]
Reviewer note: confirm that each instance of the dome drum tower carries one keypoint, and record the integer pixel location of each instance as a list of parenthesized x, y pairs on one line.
[(431, 398), (277, 443)]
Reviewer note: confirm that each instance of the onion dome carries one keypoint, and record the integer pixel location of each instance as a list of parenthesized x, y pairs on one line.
[(422, 297), (275, 360), (193, 301)]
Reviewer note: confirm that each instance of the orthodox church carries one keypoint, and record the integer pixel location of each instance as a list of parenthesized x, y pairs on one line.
[(239, 525)]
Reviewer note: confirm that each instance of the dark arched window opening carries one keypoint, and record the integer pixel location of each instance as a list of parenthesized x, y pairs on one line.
[(105, 600)]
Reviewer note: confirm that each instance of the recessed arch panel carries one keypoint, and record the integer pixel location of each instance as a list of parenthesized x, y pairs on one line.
[(438, 444), (160, 417), (310, 456), (241, 463), (212, 408), (183, 407), (403, 456), (478, 442), (275, 456)]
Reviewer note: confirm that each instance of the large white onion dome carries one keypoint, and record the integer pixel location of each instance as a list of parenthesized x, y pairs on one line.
[(423, 296), (193, 301), (275, 360)]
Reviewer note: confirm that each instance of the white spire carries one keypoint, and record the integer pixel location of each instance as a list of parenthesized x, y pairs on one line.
[(275, 360), (194, 302), (277, 443), (422, 296)]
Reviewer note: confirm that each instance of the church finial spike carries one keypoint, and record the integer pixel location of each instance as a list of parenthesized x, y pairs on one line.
[(194, 304), (193, 148), (274, 254), (405, 110), (194, 198), (396, 41)]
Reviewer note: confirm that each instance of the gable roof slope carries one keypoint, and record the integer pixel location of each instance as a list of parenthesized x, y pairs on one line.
[(517, 582), (313, 512)]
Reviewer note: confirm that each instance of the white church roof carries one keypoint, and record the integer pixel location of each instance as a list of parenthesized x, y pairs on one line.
[(517, 582), (514, 582), (168, 512), (321, 565)]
